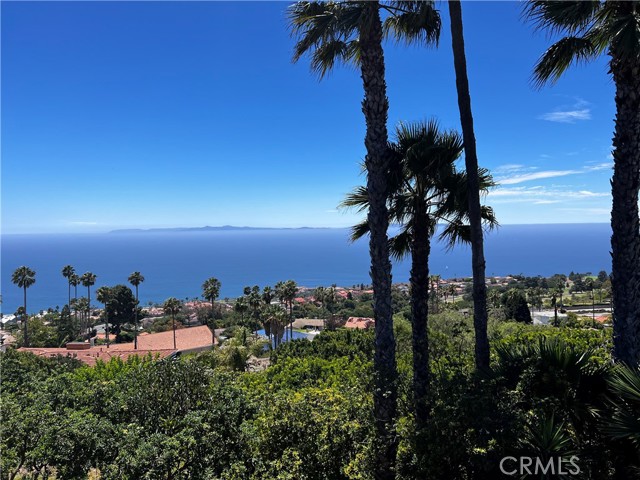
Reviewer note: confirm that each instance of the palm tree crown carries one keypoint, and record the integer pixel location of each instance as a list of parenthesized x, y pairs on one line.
[(24, 277), (136, 279)]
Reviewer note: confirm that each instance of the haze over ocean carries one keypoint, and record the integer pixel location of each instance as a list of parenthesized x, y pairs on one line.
[(176, 263)]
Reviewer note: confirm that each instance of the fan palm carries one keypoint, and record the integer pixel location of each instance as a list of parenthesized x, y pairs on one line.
[(351, 32), (241, 307), (172, 307), (590, 29), (24, 277), (68, 272), (103, 295), (74, 280), (267, 297), (425, 188), (289, 291), (211, 291), (136, 279), (88, 279)]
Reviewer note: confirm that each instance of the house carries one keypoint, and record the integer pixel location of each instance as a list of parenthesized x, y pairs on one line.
[(159, 345), (308, 323), (360, 322)]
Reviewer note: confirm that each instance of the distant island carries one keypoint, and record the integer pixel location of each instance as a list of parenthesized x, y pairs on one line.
[(209, 229)]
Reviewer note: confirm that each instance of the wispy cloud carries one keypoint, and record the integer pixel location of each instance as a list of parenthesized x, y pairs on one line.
[(511, 168), (526, 177), (599, 166), (542, 195), (569, 114)]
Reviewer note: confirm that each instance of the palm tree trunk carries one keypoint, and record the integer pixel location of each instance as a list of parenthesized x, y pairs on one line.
[(471, 164), (26, 318), (625, 240), (173, 321), (69, 283), (375, 107), (135, 323), (420, 249)]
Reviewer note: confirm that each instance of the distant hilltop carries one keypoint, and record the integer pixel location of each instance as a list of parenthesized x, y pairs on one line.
[(208, 229)]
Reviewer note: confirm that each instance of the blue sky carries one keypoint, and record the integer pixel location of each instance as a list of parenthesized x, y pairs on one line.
[(118, 114)]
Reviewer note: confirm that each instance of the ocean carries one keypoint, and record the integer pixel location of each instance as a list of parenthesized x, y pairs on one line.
[(176, 263)]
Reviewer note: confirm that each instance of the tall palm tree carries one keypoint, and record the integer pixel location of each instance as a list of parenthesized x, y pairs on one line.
[(135, 279), (241, 307), (290, 290), (267, 297), (211, 291), (88, 279), (67, 272), (74, 280), (172, 307), (592, 28), (24, 277), (425, 188), (351, 32), (478, 263), (103, 295)]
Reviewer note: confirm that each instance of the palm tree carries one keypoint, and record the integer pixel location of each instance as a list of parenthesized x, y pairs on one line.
[(136, 279), (267, 297), (88, 279), (74, 280), (352, 32), (290, 290), (425, 188), (172, 307), (480, 314), (211, 291), (241, 307), (103, 295), (591, 28), (24, 277), (67, 272)]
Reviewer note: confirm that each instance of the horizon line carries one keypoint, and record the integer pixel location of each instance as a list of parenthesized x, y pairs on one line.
[(235, 227)]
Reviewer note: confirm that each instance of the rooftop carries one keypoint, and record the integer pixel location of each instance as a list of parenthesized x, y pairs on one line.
[(157, 344)]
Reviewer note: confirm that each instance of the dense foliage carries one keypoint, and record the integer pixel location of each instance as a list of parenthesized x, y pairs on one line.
[(309, 415)]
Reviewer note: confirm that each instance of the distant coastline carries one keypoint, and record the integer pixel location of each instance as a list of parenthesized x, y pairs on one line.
[(247, 228), (210, 229)]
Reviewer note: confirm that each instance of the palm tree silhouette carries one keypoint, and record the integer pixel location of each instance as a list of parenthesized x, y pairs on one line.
[(67, 272), (136, 279), (172, 307), (592, 28), (211, 291), (103, 295), (351, 32), (424, 188), (88, 279), (24, 277)]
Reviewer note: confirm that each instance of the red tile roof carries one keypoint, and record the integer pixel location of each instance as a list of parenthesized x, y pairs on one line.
[(158, 344), (360, 322)]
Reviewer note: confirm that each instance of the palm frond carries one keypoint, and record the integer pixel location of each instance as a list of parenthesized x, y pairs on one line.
[(358, 231), (419, 23), (327, 31), (327, 54), (358, 199), (561, 15), (400, 244), (560, 56)]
